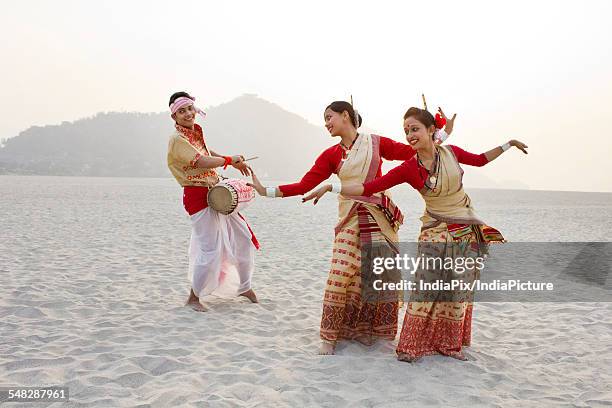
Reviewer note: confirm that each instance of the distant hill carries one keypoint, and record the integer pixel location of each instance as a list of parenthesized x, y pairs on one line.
[(135, 144)]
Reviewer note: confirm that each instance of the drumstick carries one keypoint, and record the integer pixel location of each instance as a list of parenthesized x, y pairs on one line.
[(221, 176), (201, 153), (424, 101)]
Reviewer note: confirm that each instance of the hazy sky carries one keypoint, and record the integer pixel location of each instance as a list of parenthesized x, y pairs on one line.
[(538, 71)]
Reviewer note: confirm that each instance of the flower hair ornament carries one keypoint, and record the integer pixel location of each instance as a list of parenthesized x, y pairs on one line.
[(440, 121)]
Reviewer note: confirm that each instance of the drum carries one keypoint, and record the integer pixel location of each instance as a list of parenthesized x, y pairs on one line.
[(230, 195)]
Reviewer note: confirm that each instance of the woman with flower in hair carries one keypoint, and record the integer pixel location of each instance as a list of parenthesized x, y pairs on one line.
[(220, 244), (357, 158), (450, 228)]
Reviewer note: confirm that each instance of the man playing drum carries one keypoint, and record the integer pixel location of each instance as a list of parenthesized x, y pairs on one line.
[(220, 244)]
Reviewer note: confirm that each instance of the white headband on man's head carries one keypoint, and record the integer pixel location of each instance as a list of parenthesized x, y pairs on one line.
[(185, 101)]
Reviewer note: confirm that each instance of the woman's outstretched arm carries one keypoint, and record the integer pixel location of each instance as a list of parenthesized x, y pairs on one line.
[(497, 151), (404, 173), (479, 160), (320, 171)]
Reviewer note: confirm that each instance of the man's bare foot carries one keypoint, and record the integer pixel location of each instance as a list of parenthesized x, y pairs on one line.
[(327, 349), (365, 340), (194, 302), (249, 294), (197, 306), (407, 358)]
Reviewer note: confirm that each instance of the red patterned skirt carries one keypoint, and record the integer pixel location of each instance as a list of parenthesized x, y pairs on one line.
[(345, 314), (444, 327)]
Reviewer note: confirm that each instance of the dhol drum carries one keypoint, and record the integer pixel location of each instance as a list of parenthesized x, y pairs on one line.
[(230, 195)]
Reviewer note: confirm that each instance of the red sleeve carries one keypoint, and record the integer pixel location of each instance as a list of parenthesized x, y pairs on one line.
[(392, 150), (468, 158), (406, 172), (324, 166)]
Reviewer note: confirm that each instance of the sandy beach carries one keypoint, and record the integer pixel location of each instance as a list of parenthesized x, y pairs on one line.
[(93, 282)]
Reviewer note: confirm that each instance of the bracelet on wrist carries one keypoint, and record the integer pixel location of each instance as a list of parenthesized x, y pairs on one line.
[(270, 192), (228, 161), (336, 188), (505, 146)]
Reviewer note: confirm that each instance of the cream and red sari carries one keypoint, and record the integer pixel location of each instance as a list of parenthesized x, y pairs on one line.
[(362, 220), (450, 228)]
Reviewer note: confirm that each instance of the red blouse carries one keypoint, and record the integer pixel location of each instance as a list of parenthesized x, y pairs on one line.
[(328, 162), (414, 174)]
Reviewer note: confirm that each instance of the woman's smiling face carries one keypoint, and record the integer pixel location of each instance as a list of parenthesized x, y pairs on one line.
[(417, 135), (335, 122)]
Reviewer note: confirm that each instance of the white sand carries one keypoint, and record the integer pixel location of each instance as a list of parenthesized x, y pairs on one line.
[(148, 351), (124, 349), (91, 299)]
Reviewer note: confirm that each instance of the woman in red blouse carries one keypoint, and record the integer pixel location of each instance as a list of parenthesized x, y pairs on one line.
[(374, 219), (450, 227)]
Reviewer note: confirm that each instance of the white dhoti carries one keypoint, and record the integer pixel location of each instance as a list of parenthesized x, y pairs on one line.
[(221, 253)]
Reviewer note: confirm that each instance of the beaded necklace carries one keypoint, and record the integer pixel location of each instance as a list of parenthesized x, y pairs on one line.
[(433, 175)]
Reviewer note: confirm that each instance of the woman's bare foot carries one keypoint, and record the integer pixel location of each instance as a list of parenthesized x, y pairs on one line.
[(327, 349), (194, 302), (407, 358), (249, 294)]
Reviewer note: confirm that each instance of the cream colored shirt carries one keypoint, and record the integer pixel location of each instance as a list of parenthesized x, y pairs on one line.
[(185, 147)]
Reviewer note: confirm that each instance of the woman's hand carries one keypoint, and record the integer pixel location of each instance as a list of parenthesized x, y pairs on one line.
[(519, 145), (450, 123), (317, 194), (256, 184)]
